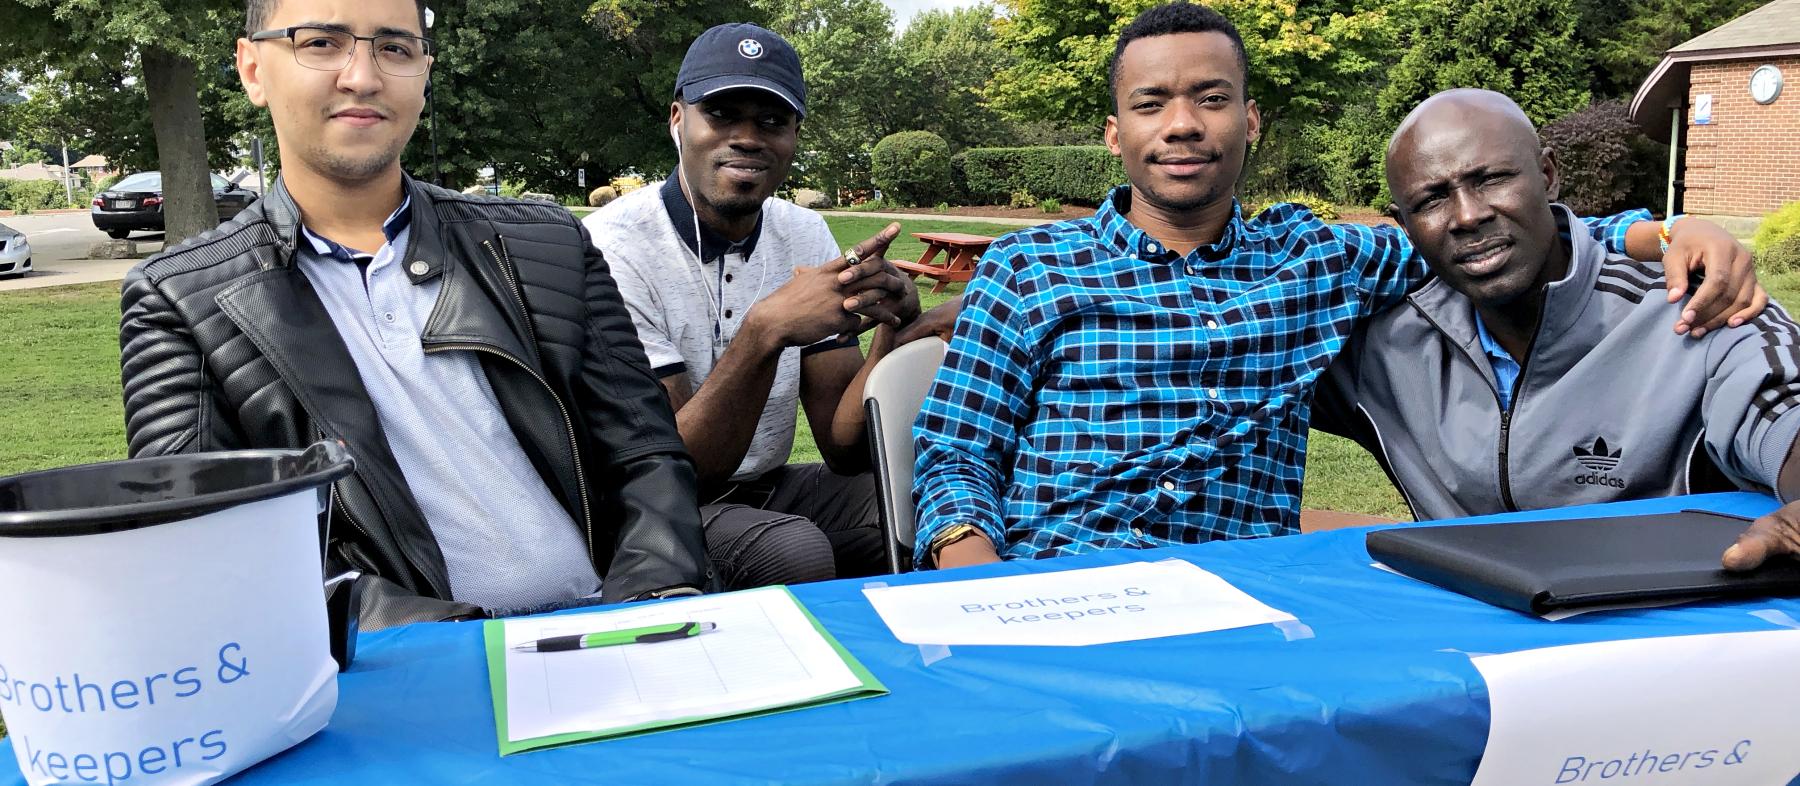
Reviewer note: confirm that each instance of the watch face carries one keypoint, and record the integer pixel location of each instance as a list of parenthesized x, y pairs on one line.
[(1765, 84)]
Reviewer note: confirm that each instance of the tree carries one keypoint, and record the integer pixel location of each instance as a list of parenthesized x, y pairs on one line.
[(163, 41), (541, 89), (1526, 49), (1058, 51), (1303, 58), (853, 70), (949, 57), (1629, 38)]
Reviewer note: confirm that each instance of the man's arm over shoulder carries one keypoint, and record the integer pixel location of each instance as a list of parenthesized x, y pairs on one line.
[(171, 405), (969, 424), (1338, 393), (1751, 407), (635, 452)]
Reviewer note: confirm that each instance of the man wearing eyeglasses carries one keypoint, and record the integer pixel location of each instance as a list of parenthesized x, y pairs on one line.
[(513, 450)]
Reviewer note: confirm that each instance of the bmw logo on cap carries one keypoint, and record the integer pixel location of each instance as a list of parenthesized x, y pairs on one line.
[(750, 48)]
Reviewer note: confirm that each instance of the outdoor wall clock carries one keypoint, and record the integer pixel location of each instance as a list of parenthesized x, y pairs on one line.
[(1765, 84)]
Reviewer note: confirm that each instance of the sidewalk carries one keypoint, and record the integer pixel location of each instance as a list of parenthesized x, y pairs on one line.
[(89, 271)]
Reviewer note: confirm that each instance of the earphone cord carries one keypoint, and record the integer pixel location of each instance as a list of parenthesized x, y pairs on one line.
[(717, 299)]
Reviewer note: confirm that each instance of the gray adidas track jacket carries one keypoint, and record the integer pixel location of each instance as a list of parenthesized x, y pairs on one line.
[(1611, 404)]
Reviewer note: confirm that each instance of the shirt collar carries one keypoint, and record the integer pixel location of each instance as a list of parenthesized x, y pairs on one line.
[(396, 223), (1119, 234), (681, 214), (1489, 344)]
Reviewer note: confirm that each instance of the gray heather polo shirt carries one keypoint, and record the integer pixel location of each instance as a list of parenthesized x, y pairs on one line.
[(507, 542), (687, 311)]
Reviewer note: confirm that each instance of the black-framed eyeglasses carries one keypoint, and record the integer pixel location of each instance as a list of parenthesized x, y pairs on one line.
[(330, 49)]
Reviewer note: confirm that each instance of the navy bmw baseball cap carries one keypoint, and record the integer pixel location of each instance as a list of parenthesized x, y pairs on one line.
[(740, 55)]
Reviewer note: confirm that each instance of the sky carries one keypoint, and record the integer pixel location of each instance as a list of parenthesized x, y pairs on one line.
[(905, 9)]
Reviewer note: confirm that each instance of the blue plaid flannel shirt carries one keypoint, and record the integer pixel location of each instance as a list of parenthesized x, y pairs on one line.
[(1102, 392)]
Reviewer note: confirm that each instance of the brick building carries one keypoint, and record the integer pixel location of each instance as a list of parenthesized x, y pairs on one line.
[(1734, 130)]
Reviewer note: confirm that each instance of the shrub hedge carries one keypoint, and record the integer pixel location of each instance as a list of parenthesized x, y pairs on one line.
[(911, 168), (1075, 174), (1779, 256), (1783, 223), (1605, 162)]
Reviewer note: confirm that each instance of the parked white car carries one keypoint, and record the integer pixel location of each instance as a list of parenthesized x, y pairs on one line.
[(15, 253)]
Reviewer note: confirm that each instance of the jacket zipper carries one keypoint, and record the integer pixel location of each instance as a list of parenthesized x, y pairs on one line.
[(587, 522), (1506, 410), (503, 259), (1505, 434)]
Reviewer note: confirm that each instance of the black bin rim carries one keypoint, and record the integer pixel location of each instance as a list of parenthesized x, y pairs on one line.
[(294, 470)]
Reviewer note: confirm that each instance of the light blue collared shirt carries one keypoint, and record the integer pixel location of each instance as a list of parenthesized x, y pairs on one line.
[(507, 542), (1506, 369)]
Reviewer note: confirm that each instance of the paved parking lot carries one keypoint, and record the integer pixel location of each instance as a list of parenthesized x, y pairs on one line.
[(60, 244)]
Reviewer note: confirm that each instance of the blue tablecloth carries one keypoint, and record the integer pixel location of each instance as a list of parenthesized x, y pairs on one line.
[(1375, 687)]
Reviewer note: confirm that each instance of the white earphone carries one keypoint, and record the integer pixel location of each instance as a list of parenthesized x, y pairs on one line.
[(717, 298)]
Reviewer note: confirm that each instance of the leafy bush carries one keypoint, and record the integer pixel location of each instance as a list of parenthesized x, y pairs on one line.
[(1350, 152), (1050, 206), (24, 196), (1021, 199), (911, 167), (1605, 162), (1783, 223), (108, 182), (942, 207), (1078, 174), (1779, 256), (1320, 206)]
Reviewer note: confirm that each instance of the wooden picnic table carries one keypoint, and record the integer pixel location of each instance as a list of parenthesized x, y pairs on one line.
[(960, 253)]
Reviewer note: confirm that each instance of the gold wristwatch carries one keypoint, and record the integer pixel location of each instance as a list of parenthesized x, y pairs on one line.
[(951, 534)]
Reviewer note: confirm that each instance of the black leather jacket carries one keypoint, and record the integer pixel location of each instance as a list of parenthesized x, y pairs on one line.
[(226, 345)]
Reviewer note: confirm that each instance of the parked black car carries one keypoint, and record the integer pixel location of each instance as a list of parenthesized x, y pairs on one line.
[(135, 203)]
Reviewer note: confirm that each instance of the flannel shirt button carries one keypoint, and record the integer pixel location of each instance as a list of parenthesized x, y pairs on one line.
[(1212, 392), (1137, 532), (1152, 248), (1211, 325), (1168, 485)]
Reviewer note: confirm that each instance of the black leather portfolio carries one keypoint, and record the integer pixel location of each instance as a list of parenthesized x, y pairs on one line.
[(1541, 566)]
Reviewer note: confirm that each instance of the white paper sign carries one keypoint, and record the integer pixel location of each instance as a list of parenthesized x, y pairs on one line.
[(1140, 600), (1713, 709), (1703, 109)]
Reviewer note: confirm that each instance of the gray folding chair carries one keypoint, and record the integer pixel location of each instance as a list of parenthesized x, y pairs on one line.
[(891, 396)]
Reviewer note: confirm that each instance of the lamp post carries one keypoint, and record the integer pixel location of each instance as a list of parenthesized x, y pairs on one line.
[(68, 190)]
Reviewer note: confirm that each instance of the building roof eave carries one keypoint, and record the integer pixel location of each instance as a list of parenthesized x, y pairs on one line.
[(1666, 87)]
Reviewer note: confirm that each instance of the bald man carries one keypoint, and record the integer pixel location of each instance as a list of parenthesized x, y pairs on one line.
[(1534, 369)]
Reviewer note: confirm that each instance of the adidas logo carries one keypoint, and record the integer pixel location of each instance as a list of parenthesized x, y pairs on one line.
[(1598, 460)]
